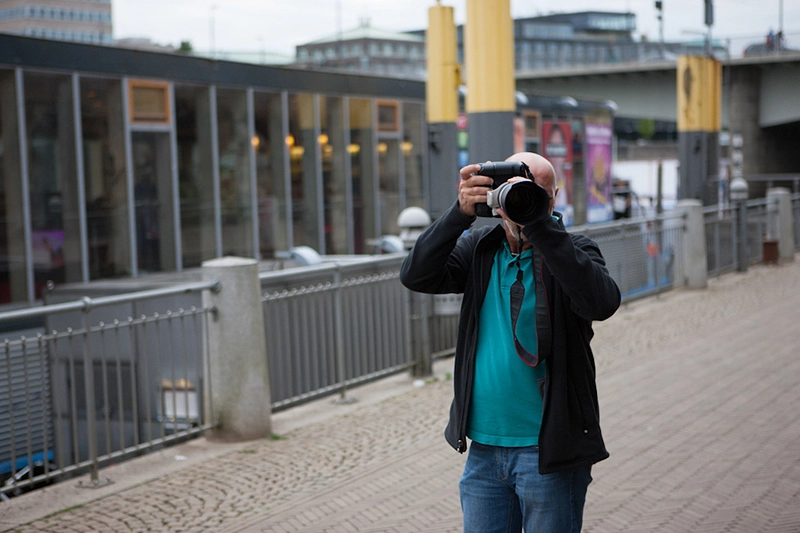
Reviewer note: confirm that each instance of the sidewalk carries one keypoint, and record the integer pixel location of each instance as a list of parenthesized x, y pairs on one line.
[(699, 392)]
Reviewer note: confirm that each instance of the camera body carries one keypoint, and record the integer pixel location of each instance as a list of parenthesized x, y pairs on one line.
[(522, 201)]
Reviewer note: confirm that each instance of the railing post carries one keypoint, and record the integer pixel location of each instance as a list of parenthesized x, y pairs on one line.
[(742, 258), (238, 377), (338, 310), (91, 409), (694, 245), (781, 197)]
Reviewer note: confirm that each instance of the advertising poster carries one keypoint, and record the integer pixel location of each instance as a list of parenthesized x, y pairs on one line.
[(598, 173), (557, 148), (48, 249)]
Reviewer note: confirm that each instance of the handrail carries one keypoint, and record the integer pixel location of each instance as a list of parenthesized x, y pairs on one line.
[(87, 303)]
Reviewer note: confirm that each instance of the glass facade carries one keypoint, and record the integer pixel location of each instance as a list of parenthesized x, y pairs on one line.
[(52, 180), (105, 174), (363, 151), (302, 145), (413, 156), (195, 174), (334, 175), (270, 173), (95, 186), (235, 186), (152, 195), (13, 272)]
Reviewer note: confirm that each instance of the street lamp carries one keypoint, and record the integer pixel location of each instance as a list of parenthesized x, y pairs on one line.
[(212, 32)]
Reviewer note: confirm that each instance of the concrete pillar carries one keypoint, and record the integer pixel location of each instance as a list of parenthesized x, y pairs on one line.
[(491, 85), (785, 230), (441, 98), (695, 258), (237, 352)]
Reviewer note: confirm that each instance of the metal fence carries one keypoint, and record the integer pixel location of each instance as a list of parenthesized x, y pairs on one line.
[(796, 218), (642, 255), (331, 326), (96, 380), (722, 231)]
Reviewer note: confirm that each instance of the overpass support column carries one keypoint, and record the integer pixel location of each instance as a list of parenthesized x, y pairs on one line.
[(489, 59), (441, 97), (699, 120)]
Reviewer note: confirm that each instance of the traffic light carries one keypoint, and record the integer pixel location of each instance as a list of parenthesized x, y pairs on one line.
[(709, 13)]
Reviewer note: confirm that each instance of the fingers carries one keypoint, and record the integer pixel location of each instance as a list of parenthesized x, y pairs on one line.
[(472, 189)]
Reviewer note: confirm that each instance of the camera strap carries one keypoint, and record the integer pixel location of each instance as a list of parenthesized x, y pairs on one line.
[(517, 295)]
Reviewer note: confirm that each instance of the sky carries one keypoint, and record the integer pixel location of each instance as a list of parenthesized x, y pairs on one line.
[(277, 26)]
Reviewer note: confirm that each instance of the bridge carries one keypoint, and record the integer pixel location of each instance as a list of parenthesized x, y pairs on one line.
[(759, 100)]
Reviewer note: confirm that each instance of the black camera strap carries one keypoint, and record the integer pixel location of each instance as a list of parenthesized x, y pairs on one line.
[(517, 295)]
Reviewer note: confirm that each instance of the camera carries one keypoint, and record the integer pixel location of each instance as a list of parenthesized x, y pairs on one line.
[(522, 201)]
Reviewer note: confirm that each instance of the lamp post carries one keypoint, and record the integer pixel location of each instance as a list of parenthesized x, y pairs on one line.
[(212, 32)]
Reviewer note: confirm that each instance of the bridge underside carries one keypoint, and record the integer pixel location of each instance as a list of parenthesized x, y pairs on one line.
[(759, 100)]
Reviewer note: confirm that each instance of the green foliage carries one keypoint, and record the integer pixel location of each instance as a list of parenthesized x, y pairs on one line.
[(647, 128)]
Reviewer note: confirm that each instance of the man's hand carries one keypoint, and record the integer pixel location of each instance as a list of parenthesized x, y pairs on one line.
[(472, 189)]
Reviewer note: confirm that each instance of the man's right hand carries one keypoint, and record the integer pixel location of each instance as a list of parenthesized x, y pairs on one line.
[(472, 189)]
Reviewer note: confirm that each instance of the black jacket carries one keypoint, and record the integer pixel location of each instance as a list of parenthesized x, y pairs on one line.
[(573, 288)]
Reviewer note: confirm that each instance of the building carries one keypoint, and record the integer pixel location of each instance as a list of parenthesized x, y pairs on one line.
[(565, 40), (83, 21), (367, 50), (119, 162)]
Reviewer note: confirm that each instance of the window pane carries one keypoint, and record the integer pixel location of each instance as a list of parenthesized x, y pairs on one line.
[(13, 286), (388, 172), (412, 152), (105, 178), (152, 189), (55, 223), (302, 143), (193, 123), (333, 175), (234, 173), (269, 144), (361, 150)]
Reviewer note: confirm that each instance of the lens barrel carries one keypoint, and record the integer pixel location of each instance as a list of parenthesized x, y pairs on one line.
[(522, 201)]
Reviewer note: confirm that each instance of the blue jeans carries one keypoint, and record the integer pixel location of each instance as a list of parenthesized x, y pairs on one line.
[(502, 491)]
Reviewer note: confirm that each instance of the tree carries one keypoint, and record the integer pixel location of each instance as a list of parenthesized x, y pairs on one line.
[(185, 47)]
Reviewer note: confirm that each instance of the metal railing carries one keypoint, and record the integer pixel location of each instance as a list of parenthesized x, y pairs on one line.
[(722, 231), (642, 255), (796, 219), (99, 379), (331, 326)]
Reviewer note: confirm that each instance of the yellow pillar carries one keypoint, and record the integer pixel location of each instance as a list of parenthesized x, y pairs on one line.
[(489, 60), (699, 92), (489, 56), (441, 90), (441, 93)]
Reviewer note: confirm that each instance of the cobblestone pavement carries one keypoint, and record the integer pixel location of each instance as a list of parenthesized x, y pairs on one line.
[(699, 392)]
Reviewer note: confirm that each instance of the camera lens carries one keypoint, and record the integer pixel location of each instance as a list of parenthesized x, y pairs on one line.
[(518, 200)]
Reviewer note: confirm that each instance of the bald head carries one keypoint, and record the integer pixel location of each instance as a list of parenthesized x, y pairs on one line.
[(542, 170)]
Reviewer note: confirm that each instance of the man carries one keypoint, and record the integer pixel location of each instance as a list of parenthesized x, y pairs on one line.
[(525, 394)]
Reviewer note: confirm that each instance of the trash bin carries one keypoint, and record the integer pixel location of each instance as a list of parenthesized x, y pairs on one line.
[(771, 254)]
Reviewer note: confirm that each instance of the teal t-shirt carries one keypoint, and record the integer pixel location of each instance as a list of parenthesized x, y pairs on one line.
[(506, 406)]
